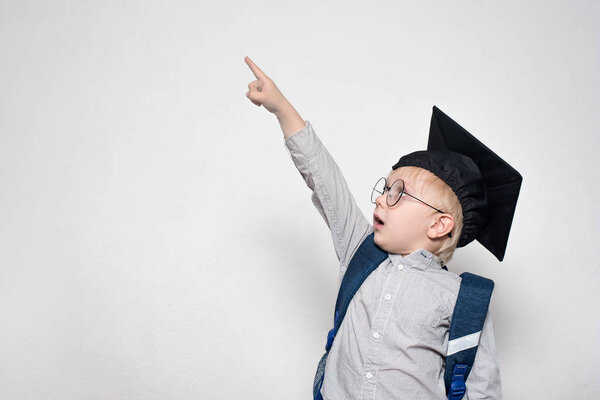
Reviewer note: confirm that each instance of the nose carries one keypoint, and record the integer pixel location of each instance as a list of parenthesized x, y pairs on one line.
[(380, 200)]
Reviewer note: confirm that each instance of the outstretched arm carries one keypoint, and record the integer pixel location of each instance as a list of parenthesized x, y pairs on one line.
[(331, 195)]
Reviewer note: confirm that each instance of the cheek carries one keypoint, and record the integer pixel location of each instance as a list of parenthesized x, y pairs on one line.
[(408, 223)]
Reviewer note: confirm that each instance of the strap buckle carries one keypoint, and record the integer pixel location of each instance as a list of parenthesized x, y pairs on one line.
[(330, 337), (458, 387), (333, 331)]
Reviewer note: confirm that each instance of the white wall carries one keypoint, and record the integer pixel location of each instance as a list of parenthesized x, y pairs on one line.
[(156, 241)]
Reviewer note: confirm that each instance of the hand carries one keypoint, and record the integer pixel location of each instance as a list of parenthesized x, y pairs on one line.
[(263, 90)]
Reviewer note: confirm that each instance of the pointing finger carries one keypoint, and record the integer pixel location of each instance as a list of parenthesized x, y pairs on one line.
[(255, 70)]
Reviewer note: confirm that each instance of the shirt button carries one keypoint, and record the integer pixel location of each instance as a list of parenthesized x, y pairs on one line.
[(376, 335), (400, 267), (369, 375), (387, 296)]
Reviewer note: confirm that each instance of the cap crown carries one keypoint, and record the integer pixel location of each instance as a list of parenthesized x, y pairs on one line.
[(486, 185)]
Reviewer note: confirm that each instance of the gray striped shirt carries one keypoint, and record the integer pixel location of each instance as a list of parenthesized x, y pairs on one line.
[(393, 340)]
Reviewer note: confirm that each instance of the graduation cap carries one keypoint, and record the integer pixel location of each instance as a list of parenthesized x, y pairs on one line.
[(486, 186)]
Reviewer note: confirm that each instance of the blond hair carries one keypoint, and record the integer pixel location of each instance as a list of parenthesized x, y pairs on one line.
[(437, 193)]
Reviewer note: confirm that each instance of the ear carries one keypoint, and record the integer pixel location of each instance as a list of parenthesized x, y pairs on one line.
[(440, 226)]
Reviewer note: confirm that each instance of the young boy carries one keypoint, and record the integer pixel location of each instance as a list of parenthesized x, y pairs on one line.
[(393, 340)]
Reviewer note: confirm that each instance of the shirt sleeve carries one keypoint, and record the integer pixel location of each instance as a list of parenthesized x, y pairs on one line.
[(484, 380), (331, 195)]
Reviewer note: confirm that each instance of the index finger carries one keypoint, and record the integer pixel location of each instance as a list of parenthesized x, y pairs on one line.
[(255, 70)]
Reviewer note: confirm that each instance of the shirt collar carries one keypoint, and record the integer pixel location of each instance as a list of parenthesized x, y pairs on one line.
[(420, 259)]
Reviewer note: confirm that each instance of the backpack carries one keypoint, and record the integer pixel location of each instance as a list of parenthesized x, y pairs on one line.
[(465, 328)]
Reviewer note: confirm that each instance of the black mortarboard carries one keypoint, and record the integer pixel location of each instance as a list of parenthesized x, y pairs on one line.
[(486, 186)]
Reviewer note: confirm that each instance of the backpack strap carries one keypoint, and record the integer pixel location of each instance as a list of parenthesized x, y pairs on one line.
[(468, 317), (364, 261)]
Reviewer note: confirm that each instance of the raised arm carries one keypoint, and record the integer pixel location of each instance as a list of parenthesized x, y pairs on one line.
[(331, 195)]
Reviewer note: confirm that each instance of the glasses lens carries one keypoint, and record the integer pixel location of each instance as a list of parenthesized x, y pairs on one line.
[(395, 192), (377, 189)]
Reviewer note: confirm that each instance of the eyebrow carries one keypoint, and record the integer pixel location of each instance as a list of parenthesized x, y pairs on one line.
[(406, 184)]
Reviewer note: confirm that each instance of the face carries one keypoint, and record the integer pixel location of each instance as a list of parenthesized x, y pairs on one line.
[(405, 225)]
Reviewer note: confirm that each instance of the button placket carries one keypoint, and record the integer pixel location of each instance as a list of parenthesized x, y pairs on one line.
[(380, 319)]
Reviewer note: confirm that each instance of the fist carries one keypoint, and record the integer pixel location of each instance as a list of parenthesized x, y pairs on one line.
[(263, 90)]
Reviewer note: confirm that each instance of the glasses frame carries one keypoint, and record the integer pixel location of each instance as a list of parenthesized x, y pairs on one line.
[(402, 192)]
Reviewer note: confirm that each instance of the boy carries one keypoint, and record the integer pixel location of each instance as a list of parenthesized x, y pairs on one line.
[(393, 339)]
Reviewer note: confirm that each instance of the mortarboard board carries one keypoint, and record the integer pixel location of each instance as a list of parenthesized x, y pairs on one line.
[(486, 185)]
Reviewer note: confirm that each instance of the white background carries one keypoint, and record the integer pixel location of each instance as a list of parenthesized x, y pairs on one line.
[(156, 241)]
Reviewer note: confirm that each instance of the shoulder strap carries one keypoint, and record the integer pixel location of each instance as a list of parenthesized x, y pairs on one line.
[(465, 329), (364, 261)]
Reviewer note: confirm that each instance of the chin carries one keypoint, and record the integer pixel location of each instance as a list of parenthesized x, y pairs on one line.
[(386, 246), (378, 242)]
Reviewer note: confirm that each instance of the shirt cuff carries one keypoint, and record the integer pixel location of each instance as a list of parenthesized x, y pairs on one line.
[(303, 143)]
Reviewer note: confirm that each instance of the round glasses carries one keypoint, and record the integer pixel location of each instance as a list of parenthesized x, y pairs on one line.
[(395, 191)]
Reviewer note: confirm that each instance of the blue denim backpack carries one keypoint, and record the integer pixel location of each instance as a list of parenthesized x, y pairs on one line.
[(465, 328)]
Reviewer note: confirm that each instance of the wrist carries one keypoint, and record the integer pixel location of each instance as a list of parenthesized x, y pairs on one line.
[(285, 111), (289, 120)]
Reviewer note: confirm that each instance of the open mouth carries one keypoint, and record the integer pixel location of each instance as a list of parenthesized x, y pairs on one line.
[(377, 220)]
